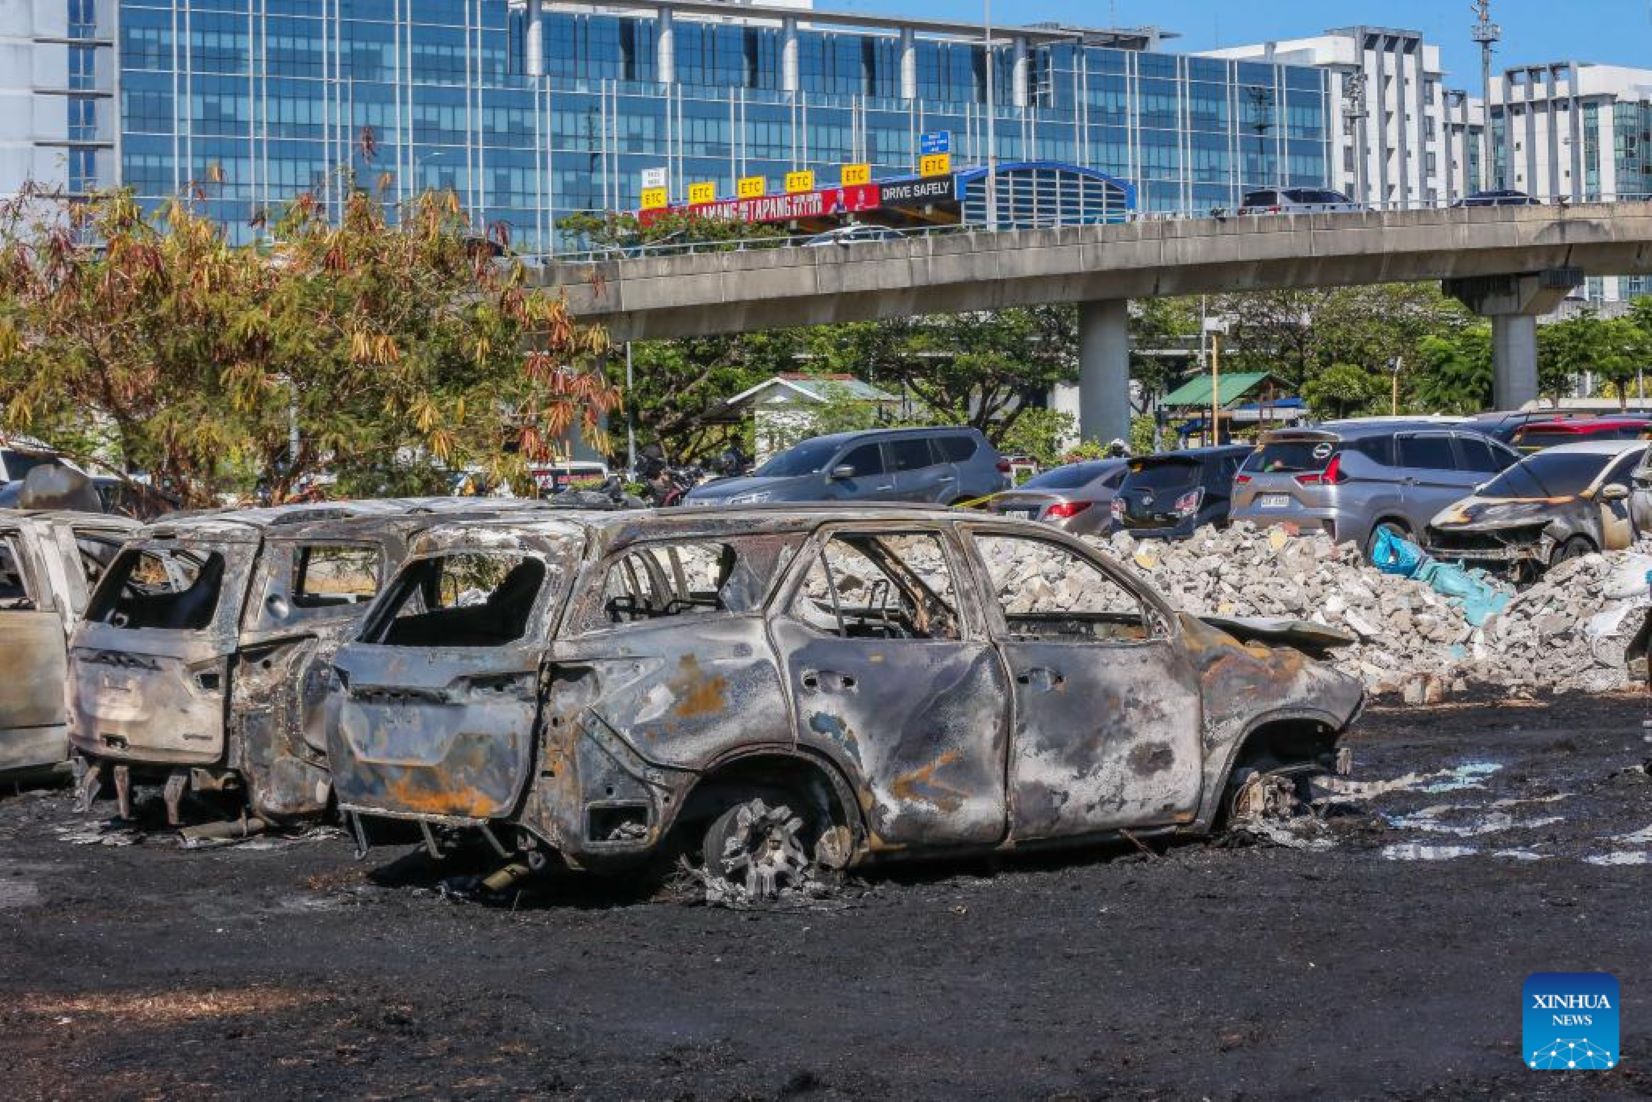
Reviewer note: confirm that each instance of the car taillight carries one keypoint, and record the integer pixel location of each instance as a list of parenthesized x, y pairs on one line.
[(1241, 479), (1003, 466), (1188, 503), (1331, 476), (1118, 508), (1061, 510)]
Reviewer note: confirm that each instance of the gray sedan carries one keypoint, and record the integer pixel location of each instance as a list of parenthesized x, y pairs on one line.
[(1077, 497)]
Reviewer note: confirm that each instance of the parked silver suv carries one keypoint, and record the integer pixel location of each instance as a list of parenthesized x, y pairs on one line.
[(1354, 478)]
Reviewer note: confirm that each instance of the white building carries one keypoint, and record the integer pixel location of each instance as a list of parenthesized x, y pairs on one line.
[(1577, 132), (1395, 139), (58, 117)]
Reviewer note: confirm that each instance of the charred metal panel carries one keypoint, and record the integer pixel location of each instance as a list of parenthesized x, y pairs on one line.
[(148, 696), (1106, 736), (1245, 685), (437, 731), (285, 776), (918, 725)]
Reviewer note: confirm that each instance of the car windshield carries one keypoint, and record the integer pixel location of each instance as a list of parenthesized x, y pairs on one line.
[(1549, 474), (1066, 478), (19, 464), (809, 457), (1289, 456), (1170, 474)]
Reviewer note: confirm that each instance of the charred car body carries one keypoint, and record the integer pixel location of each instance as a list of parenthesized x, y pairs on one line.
[(49, 562), (1556, 504), (901, 680), (204, 660)]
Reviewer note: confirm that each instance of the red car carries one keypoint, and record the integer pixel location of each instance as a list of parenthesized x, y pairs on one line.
[(1537, 435)]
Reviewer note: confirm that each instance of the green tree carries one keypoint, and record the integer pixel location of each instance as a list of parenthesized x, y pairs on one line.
[(1343, 390), (1612, 349), (399, 350), (1041, 435), (1454, 371)]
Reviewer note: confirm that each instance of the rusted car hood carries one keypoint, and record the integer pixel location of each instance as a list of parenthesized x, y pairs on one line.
[(1489, 514), (1277, 631)]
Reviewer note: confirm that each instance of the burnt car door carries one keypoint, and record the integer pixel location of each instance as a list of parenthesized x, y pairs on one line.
[(151, 667), (1614, 498), (662, 668), (32, 657), (306, 595), (1108, 713), (892, 676), (440, 691)]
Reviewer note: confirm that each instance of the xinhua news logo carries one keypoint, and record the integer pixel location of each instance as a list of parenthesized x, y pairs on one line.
[(1570, 1021)]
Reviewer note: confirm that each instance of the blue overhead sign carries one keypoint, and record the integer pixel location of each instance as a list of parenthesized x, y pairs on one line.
[(935, 141)]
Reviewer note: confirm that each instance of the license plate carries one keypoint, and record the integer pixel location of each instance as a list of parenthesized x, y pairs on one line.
[(1276, 501), (117, 685), (1029, 514)]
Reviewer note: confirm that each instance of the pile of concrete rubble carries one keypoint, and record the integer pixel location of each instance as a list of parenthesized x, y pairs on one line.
[(1568, 631)]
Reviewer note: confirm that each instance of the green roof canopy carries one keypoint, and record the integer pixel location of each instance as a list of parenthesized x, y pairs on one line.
[(1235, 388)]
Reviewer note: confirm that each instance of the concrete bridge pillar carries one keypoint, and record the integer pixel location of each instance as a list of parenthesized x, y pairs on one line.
[(1104, 370), (1514, 303)]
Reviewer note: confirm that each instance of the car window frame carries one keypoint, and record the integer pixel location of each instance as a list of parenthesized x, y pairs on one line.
[(992, 610), (929, 449), (582, 620), (972, 626), (1401, 463)]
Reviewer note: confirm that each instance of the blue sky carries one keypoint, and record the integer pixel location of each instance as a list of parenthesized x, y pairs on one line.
[(1608, 31)]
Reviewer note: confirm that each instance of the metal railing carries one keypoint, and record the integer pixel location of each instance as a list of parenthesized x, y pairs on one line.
[(837, 241)]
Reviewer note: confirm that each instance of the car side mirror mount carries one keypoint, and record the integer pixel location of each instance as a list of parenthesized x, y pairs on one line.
[(1616, 491), (840, 472)]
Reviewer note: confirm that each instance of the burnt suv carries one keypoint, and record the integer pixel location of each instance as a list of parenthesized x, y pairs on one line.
[(204, 658), (818, 685), (1353, 479)]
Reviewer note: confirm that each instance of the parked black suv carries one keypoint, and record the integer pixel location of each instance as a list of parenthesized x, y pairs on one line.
[(1167, 496)]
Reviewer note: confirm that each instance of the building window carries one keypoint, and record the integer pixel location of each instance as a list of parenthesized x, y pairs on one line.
[(83, 119), (83, 175), (82, 19), (82, 68)]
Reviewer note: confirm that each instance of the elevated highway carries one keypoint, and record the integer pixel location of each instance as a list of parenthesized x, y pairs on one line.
[(1508, 263)]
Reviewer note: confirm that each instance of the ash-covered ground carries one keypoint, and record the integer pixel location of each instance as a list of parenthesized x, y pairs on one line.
[(1473, 844)]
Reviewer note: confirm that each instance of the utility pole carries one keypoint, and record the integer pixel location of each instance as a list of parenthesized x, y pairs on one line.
[(1353, 109), (992, 122), (1487, 34), (1215, 387)]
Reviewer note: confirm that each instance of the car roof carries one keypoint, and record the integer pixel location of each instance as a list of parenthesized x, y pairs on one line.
[(862, 434), (69, 516), (1593, 447), (1588, 424), (1356, 429), (1194, 454)]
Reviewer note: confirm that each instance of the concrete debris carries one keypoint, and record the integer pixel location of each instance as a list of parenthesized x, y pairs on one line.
[(1569, 631)]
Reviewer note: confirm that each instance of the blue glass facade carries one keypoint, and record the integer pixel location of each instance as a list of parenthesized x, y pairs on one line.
[(252, 101)]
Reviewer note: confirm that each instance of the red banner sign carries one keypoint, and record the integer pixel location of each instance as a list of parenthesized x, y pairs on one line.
[(780, 208)]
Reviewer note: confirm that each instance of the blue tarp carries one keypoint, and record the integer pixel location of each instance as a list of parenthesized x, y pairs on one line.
[(1473, 591)]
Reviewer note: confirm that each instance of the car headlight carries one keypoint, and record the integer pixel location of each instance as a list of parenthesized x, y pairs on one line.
[(750, 499)]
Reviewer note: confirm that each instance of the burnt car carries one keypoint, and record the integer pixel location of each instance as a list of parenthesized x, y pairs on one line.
[(812, 686), (49, 562), (1559, 503)]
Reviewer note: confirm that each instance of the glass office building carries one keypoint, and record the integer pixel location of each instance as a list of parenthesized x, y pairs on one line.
[(253, 101)]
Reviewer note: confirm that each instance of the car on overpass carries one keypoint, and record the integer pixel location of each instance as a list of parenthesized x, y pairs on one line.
[(856, 234), (1352, 479), (1298, 200), (1498, 197), (941, 466)]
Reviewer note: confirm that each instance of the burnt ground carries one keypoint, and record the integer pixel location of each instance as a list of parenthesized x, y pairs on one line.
[(1379, 967)]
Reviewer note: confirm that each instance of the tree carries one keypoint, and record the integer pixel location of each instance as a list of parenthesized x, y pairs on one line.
[(1343, 390), (984, 369), (1041, 435), (1454, 371), (1612, 349), (396, 351)]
